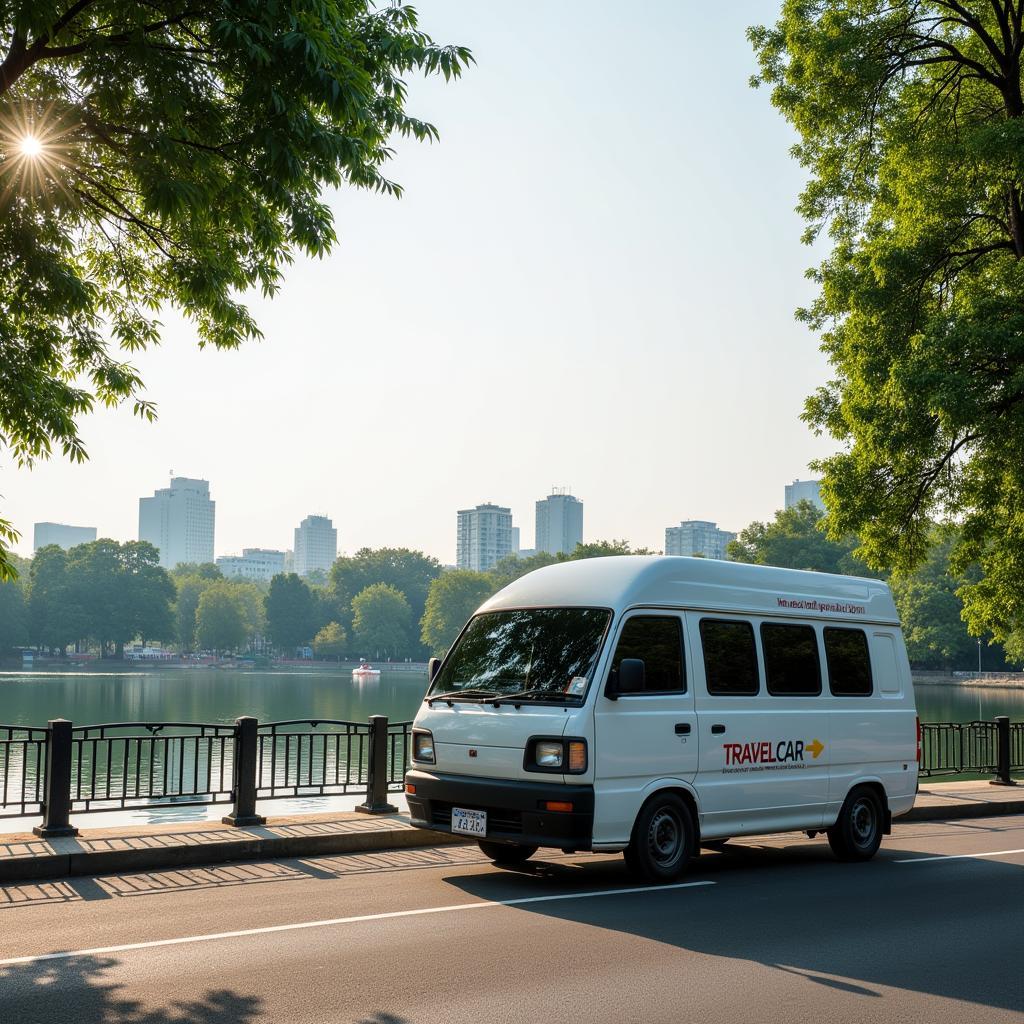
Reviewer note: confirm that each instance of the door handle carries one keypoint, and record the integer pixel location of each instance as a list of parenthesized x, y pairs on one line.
[(682, 728), (718, 729)]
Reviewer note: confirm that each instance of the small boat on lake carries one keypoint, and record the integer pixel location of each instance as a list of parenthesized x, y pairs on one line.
[(365, 672)]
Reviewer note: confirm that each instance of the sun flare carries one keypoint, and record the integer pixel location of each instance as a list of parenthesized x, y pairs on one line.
[(30, 146)]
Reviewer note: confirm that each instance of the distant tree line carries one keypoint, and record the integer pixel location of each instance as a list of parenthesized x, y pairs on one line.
[(395, 603)]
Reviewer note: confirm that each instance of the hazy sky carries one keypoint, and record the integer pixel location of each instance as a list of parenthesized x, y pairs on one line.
[(590, 281)]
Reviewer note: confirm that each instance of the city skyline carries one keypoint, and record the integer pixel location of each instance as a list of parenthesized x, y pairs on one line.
[(323, 534), (654, 276)]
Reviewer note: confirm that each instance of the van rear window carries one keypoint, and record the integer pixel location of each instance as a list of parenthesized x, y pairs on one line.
[(848, 661), (791, 664), (730, 657)]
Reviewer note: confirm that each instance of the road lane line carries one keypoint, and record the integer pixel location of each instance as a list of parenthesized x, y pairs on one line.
[(184, 939), (956, 856)]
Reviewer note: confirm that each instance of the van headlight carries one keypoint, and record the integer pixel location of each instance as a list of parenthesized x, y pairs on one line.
[(423, 746), (565, 756), (548, 754)]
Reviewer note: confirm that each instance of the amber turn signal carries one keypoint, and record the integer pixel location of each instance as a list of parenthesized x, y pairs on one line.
[(410, 789), (577, 756), (558, 805)]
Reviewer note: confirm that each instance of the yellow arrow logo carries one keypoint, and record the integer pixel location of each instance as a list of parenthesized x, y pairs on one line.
[(815, 747)]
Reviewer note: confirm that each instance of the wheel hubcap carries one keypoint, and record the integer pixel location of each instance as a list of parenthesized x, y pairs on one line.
[(862, 818), (665, 837)]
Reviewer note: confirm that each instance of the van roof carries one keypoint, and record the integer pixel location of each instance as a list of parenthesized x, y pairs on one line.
[(676, 581)]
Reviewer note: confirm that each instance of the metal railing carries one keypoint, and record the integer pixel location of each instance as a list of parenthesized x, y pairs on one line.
[(22, 770), (967, 748), (63, 769), (137, 764), (311, 757)]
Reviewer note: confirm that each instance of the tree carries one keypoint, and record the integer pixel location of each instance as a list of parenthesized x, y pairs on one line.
[(795, 540), (931, 611), (911, 119), (511, 567), (120, 591), (452, 599), (381, 620), (13, 610), (220, 625), (173, 153), (291, 611), (250, 598), (54, 619), (330, 641), (602, 549), (189, 590), (148, 593), (409, 572), (200, 570)]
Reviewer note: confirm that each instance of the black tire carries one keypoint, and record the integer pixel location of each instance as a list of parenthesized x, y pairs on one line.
[(714, 844), (663, 840), (507, 853), (857, 833)]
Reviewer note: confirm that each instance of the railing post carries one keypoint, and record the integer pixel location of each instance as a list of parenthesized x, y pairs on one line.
[(1002, 753), (244, 774), (57, 793), (377, 771)]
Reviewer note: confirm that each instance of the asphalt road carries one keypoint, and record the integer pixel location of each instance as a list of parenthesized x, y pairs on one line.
[(773, 930)]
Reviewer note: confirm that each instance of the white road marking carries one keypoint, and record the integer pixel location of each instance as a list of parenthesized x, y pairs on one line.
[(956, 856), (182, 940)]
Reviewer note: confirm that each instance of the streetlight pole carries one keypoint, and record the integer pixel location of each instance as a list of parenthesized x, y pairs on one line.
[(979, 678)]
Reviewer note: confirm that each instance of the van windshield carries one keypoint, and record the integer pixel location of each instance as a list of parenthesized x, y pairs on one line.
[(534, 653)]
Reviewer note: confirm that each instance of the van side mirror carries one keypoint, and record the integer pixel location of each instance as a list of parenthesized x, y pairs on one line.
[(629, 678), (432, 666)]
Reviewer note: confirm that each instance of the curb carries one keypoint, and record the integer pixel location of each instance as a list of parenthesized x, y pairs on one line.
[(951, 812), (248, 847)]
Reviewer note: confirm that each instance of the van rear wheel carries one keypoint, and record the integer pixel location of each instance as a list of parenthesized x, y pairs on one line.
[(507, 853), (857, 833), (662, 841)]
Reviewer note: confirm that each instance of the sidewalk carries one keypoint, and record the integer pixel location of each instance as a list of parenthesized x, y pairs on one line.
[(148, 847)]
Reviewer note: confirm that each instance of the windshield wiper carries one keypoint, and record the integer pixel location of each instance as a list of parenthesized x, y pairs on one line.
[(539, 692), (469, 693)]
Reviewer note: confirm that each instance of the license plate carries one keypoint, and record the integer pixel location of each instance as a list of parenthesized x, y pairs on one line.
[(469, 823)]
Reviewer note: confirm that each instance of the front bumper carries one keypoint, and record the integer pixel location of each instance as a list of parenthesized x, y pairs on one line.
[(515, 810)]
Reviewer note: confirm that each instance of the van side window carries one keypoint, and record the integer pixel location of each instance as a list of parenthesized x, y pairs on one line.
[(658, 641), (791, 664), (730, 657), (849, 664)]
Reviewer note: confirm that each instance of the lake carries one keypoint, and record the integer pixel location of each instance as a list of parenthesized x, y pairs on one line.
[(220, 696)]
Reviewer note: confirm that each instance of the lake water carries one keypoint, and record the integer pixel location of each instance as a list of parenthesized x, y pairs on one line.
[(220, 696)]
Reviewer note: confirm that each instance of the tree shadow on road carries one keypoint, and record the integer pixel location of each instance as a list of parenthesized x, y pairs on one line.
[(940, 929), (76, 989)]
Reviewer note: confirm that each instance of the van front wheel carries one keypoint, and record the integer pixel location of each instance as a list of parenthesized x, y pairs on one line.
[(507, 853), (857, 833), (662, 841)]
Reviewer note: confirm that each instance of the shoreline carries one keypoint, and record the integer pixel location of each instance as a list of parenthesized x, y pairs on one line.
[(1008, 683)]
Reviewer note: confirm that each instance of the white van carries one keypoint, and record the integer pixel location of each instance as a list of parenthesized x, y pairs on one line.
[(654, 705)]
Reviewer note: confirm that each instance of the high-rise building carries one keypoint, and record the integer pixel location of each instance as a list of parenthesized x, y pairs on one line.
[(179, 522), (804, 490), (61, 534), (316, 545), (697, 537), (484, 536), (252, 564), (559, 522)]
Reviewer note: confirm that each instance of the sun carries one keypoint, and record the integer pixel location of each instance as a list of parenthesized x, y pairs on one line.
[(30, 146)]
